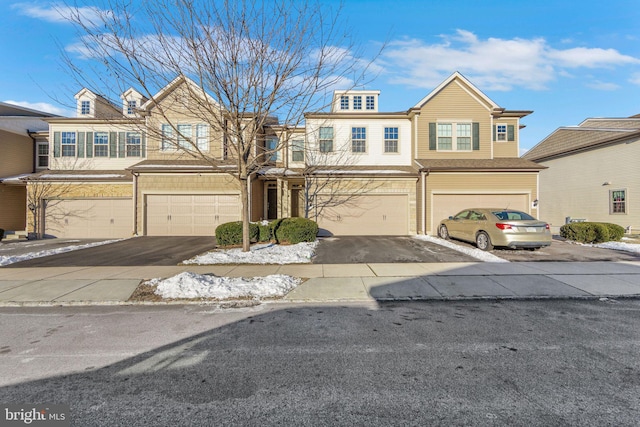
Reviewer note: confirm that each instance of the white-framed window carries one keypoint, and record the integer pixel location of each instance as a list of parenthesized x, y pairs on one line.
[(43, 154), (131, 107), (167, 138), (357, 102), (134, 144), (184, 136), (85, 107), (463, 136), (101, 144), (297, 150), (344, 102), (454, 137), (618, 201), (68, 140), (326, 139), (370, 102), (501, 132), (271, 146), (358, 140), (202, 137), (390, 139)]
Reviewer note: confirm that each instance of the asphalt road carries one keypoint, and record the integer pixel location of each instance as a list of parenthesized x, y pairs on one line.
[(144, 250), (383, 249), (442, 363)]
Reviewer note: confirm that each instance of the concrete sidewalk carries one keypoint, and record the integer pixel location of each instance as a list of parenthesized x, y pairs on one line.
[(340, 282)]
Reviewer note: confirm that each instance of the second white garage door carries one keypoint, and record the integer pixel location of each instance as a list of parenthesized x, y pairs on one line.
[(189, 214), (381, 215), (446, 205), (89, 218)]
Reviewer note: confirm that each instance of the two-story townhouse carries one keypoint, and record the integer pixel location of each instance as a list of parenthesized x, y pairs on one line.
[(23, 151), (401, 173), (155, 165)]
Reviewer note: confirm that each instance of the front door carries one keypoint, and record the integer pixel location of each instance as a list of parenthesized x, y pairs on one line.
[(272, 203)]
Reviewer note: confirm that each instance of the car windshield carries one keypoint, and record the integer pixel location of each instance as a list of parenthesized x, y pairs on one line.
[(512, 216)]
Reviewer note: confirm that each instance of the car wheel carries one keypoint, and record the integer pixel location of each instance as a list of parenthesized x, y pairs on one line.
[(443, 232), (483, 242)]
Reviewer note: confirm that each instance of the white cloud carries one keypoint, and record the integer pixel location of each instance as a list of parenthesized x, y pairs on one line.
[(61, 13), (40, 106), (492, 63), (600, 85), (635, 79)]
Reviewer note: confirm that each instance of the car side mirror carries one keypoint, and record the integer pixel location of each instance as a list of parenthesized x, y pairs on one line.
[(450, 217)]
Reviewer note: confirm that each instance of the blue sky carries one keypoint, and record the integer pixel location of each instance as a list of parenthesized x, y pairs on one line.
[(565, 60)]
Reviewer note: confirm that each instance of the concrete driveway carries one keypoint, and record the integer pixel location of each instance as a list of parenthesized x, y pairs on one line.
[(559, 250), (383, 249), (144, 250)]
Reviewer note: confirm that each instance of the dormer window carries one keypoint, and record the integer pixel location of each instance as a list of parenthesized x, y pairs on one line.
[(344, 102), (131, 108), (85, 108), (371, 102), (357, 102)]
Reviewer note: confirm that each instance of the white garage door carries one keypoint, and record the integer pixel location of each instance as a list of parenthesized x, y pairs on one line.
[(189, 214), (446, 205), (89, 218), (381, 215)]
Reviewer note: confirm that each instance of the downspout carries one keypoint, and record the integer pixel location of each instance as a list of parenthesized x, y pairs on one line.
[(423, 187), (135, 203), (35, 153)]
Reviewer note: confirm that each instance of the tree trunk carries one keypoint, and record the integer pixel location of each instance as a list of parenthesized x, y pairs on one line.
[(244, 196)]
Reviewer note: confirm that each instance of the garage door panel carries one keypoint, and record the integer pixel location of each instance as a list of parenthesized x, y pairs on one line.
[(89, 218), (364, 215), (446, 205), (189, 214)]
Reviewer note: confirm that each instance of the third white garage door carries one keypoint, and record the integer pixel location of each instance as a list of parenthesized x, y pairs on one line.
[(189, 214), (382, 215), (446, 205)]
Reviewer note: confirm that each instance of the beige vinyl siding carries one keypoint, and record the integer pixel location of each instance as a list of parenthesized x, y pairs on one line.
[(575, 185), (506, 148), (16, 154), (454, 103), (489, 183), (13, 207)]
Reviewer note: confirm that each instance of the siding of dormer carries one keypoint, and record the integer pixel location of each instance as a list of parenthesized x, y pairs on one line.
[(455, 102), (507, 148), (178, 111)]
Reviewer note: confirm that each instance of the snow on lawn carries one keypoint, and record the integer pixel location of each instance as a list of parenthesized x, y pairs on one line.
[(10, 259), (619, 246), (472, 252), (265, 253), (190, 285)]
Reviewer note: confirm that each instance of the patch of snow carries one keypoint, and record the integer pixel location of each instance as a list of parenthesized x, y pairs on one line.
[(179, 166), (10, 259), (191, 285), (619, 246), (264, 253), (472, 252)]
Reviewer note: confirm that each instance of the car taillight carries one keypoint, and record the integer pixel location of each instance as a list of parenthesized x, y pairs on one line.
[(502, 226)]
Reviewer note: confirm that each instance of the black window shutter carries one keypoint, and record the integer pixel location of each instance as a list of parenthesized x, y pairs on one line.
[(432, 137), (476, 135)]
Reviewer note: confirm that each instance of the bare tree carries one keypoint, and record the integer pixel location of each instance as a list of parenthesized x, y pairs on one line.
[(249, 61)]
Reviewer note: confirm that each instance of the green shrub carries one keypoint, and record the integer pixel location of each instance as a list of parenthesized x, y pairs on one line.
[(265, 232), (591, 232), (295, 230), (230, 233)]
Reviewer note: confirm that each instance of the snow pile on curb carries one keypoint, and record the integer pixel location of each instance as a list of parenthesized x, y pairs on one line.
[(10, 259), (473, 252), (265, 253), (190, 285)]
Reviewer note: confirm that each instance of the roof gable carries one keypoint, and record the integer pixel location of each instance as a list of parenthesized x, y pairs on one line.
[(457, 78), (175, 85)]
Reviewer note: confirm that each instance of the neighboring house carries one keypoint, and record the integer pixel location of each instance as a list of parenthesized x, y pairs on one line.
[(23, 150), (591, 173), (355, 169)]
